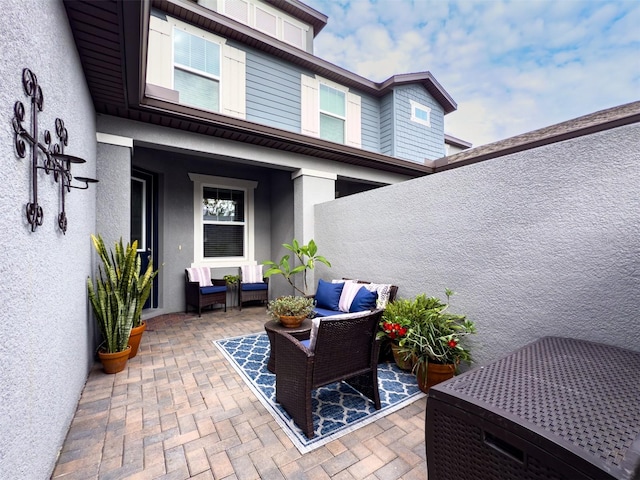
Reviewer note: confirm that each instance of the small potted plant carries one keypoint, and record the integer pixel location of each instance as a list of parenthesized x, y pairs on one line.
[(290, 310), (436, 342)]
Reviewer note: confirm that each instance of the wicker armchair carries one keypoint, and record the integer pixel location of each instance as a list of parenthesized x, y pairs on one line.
[(345, 350), (253, 286), (203, 296)]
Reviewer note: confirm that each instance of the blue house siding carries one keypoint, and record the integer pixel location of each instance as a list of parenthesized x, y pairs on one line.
[(273, 92), (386, 125), (370, 123), (414, 141)]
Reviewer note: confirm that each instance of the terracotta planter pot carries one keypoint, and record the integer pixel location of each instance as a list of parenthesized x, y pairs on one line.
[(399, 358), (134, 338), (292, 322), (114, 362), (431, 374)]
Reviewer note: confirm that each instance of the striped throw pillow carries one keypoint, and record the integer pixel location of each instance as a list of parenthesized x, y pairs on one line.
[(252, 274), (202, 275)]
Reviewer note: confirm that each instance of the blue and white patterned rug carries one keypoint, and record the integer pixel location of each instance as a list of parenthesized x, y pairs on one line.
[(338, 408)]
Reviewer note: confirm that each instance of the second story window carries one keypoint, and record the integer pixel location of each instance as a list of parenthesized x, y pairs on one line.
[(420, 114), (332, 114), (196, 73)]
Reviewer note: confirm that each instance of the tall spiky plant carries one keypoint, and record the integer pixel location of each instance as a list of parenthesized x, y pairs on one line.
[(120, 292)]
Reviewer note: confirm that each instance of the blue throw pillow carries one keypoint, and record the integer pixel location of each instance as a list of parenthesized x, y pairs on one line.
[(328, 295), (364, 300)]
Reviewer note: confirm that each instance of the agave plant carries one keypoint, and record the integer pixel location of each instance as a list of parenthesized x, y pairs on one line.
[(120, 292)]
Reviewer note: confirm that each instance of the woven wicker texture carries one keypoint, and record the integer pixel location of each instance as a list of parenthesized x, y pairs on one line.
[(194, 297), (346, 350), (583, 398)]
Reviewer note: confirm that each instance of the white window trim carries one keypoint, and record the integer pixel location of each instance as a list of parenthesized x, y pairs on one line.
[(177, 25), (201, 181), (340, 88), (414, 118)]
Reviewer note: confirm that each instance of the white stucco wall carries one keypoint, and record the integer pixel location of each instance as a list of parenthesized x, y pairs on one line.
[(543, 242), (46, 349)]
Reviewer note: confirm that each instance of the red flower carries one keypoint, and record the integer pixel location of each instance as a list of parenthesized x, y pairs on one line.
[(394, 330), (453, 343)]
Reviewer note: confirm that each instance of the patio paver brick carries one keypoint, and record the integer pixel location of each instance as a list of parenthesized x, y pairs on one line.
[(180, 411)]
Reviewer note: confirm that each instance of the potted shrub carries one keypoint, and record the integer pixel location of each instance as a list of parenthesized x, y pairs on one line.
[(396, 320), (117, 299), (289, 310), (307, 255), (436, 342)]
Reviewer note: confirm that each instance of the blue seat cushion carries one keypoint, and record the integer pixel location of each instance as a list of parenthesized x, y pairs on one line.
[(328, 295), (364, 300), (246, 287), (323, 312), (212, 289)]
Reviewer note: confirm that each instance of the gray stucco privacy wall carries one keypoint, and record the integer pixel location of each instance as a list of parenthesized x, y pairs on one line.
[(542, 242), (46, 351)]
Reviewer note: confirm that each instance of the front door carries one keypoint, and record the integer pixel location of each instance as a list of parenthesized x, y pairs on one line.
[(144, 220)]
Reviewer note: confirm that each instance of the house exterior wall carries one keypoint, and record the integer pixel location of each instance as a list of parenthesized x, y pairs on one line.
[(414, 141), (273, 97), (176, 215), (273, 91), (46, 349), (387, 125), (541, 242)]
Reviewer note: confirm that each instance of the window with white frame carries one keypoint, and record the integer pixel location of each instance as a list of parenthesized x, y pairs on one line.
[(196, 73), (332, 113), (420, 113), (223, 220), (207, 72)]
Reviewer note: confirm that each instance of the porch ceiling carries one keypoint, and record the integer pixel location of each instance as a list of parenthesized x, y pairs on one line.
[(111, 38)]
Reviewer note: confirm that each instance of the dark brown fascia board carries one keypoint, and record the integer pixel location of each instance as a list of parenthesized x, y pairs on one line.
[(302, 12), (586, 125), (194, 115), (216, 22), (456, 142), (134, 18)]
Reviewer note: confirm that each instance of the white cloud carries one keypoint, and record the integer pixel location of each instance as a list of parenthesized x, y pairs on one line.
[(511, 65)]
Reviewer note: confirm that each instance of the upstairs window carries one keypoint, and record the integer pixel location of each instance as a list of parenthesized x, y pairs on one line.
[(420, 114), (196, 73), (332, 114)]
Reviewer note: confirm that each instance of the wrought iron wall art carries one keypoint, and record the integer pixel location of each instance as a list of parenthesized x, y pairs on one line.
[(46, 156)]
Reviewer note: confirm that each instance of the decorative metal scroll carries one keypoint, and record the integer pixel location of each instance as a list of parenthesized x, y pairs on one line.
[(54, 160)]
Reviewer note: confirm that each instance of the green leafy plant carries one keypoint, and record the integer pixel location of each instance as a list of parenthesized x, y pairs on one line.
[(401, 314), (119, 293), (231, 279), (290, 306), (307, 256), (437, 335)]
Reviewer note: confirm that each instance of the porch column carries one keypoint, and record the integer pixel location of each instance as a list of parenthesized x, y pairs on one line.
[(113, 194), (310, 187)]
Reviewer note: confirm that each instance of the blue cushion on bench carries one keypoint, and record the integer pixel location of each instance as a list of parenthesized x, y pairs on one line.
[(214, 289), (246, 287)]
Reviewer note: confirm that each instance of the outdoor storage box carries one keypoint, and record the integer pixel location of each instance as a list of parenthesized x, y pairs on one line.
[(558, 408)]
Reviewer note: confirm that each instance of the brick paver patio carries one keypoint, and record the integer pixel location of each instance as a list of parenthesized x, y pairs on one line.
[(180, 411)]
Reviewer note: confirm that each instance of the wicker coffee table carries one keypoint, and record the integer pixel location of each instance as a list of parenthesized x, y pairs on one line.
[(271, 327)]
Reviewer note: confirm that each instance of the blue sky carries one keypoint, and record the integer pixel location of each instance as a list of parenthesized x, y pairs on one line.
[(511, 66)]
